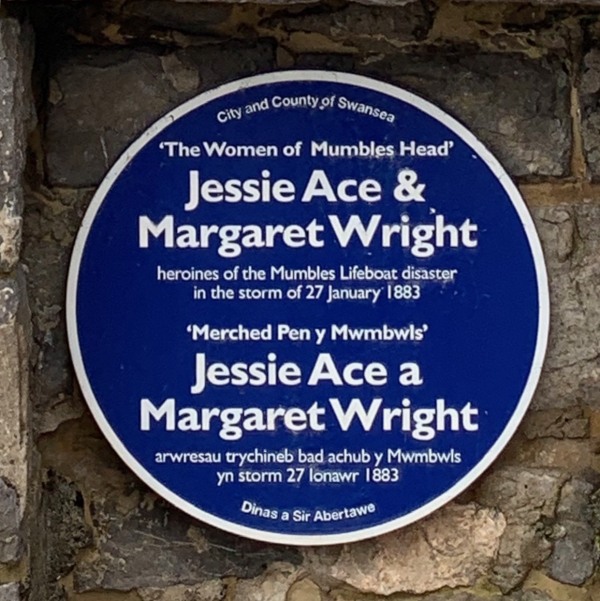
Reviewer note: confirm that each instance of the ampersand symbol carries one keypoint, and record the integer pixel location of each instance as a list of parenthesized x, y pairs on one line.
[(408, 189)]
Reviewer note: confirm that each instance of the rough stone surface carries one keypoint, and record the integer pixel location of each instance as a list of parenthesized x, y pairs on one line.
[(51, 223), (513, 104), (66, 530), (14, 353), (538, 2), (454, 547), (556, 423), (189, 17), (160, 547), (209, 590), (99, 102), (574, 556), (531, 594), (575, 501), (528, 499), (16, 117), (9, 592), (274, 585), (353, 26), (216, 65), (368, 2), (570, 236), (89, 125), (590, 102), (304, 590), (10, 536)]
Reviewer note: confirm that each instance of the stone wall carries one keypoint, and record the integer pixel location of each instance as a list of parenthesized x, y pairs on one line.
[(18, 491), (525, 77)]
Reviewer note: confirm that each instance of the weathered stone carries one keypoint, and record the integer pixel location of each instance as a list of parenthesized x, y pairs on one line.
[(10, 537), (512, 103), (304, 590), (575, 500), (16, 118), (454, 547), (52, 220), (527, 498), (522, 547), (454, 595), (89, 125), (369, 2), (556, 423), (80, 453), (161, 547), (570, 236), (10, 299), (536, 2), (15, 107), (9, 592), (361, 26), (66, 529), (523, 495), (571, 456), (217, 65), (210, 590), (330, 62), (396, 3), (574, 556), (531, 595), (197, 18), (273, 585), (555, 590), (14, 393), (590, 102)]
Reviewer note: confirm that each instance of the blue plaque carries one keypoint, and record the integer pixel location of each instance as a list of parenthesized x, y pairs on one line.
[(307, 307)]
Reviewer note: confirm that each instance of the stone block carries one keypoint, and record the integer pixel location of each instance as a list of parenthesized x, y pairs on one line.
[(217, 65), (161, 547), (16, 118), (528, 499), (398, 3), (273, 585), (364, 27), (209, 590), (453, 595), (570, 237), (575, 501), (9, 592), (10, 519), (189, 17), (513, 104), (14, 394), (574, 557), (304, 590), (523, 495), (16, 108), (52, 220), (589, 90), (100, 101), (453, 547), (329, 62), (66, 529)]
